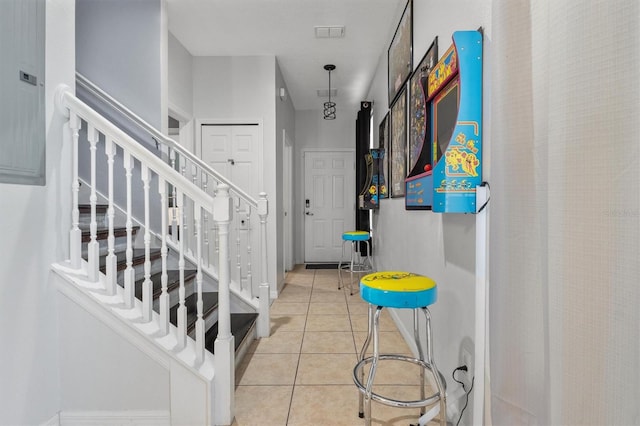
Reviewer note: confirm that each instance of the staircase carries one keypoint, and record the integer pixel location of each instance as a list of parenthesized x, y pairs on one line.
[(242, 324), (150, 255)]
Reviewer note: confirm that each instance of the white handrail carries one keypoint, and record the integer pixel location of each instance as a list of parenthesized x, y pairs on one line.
[(65, 100), (161, 138)]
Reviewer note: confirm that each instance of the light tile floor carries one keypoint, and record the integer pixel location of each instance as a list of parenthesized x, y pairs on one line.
[(302, 373)]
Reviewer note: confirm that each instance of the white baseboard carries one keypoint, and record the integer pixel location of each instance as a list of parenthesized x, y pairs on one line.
[(53, 421), (113, 418)]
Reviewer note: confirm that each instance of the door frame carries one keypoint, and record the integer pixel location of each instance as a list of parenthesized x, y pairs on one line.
[(287, 201), (301, 216), (235, 122)]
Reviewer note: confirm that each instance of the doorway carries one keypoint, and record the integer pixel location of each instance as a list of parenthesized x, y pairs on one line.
[(329, 203)]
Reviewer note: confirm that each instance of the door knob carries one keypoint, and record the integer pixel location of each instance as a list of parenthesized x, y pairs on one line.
[(309, 214)]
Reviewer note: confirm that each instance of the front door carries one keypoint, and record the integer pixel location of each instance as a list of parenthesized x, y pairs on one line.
[(329, 203)]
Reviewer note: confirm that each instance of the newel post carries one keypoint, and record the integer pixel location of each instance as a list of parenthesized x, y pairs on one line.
[(264, 321), (224, 347)]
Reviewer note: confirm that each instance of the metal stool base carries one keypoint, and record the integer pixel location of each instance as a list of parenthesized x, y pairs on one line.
[(365, 390), (396, 402), (357, 264)]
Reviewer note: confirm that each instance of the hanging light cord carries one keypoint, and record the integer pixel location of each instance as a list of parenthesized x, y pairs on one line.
[(329, 107)]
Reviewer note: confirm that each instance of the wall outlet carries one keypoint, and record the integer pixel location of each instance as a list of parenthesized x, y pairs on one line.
[(467, 357)]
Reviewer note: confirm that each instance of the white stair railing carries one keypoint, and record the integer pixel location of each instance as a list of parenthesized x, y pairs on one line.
[(247, 229), (217, 207)]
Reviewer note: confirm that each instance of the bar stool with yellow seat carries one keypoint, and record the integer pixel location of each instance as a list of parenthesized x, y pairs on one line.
[(402, 290), (356, 264)]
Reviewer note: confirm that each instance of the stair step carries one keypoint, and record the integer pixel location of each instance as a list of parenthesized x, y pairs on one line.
[(86, 208), (102, 233), (209, 301), (173, 282), (240, 325), (138, 258)]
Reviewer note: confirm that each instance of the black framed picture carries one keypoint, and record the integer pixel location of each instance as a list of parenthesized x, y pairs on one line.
[(400, 56), (419, 147), (398, 142)]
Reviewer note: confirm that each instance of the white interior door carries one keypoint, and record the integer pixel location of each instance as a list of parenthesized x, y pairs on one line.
[(329, 201), (234, 150)]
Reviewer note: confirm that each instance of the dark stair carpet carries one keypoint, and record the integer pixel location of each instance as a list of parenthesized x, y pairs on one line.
[(102, 233), (240, 326), (138, 258), (173, 282), (209, 301)]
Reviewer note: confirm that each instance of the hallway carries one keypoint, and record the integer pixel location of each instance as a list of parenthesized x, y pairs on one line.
[(302, 374)]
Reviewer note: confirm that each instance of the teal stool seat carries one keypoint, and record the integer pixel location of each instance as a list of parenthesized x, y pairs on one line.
[(355, 236), (394, 289), (400, 290)]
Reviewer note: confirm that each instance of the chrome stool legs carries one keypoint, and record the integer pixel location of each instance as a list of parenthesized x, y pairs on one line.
[(366, 394), (357, 264)]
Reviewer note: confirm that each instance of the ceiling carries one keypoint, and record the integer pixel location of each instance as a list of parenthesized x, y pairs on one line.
[(286, 29)]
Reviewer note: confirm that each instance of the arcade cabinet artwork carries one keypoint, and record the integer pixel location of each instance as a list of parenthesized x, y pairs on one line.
[(374, 185), (419, 182), (455, 93)]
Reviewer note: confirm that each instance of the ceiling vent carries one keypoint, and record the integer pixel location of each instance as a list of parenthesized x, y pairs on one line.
[(324, 93), (329, 32)]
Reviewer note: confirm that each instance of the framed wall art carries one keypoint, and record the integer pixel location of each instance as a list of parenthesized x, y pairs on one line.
[(398, 142), (400, 56), (419, 189)]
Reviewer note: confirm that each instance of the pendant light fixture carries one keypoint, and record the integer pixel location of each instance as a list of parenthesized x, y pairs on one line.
[(329, 107)]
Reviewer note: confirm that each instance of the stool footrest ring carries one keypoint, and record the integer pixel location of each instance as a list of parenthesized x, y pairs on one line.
[(394, 402)]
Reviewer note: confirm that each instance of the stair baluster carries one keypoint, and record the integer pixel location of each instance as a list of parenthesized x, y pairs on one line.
[(264, 323), (247, 220), (147, 296), (94, 247), (129, 273), (238, 221), (75, 235), (174, 196), (184, 229), (164, 251), (182, 310), (111, 260), (205, 180), (199, 305)]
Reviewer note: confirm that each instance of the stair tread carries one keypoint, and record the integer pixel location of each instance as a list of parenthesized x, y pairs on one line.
[(138, 258), (173, 281), (241, 323), (102, 232), (86, 208), (209, 302)]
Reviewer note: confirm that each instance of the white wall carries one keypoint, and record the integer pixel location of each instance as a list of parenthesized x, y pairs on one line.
[(129, 379), (244, 87), (32, 240), (119, 49), (180, 76), (437, 245), (313, 132), (285, 120)]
